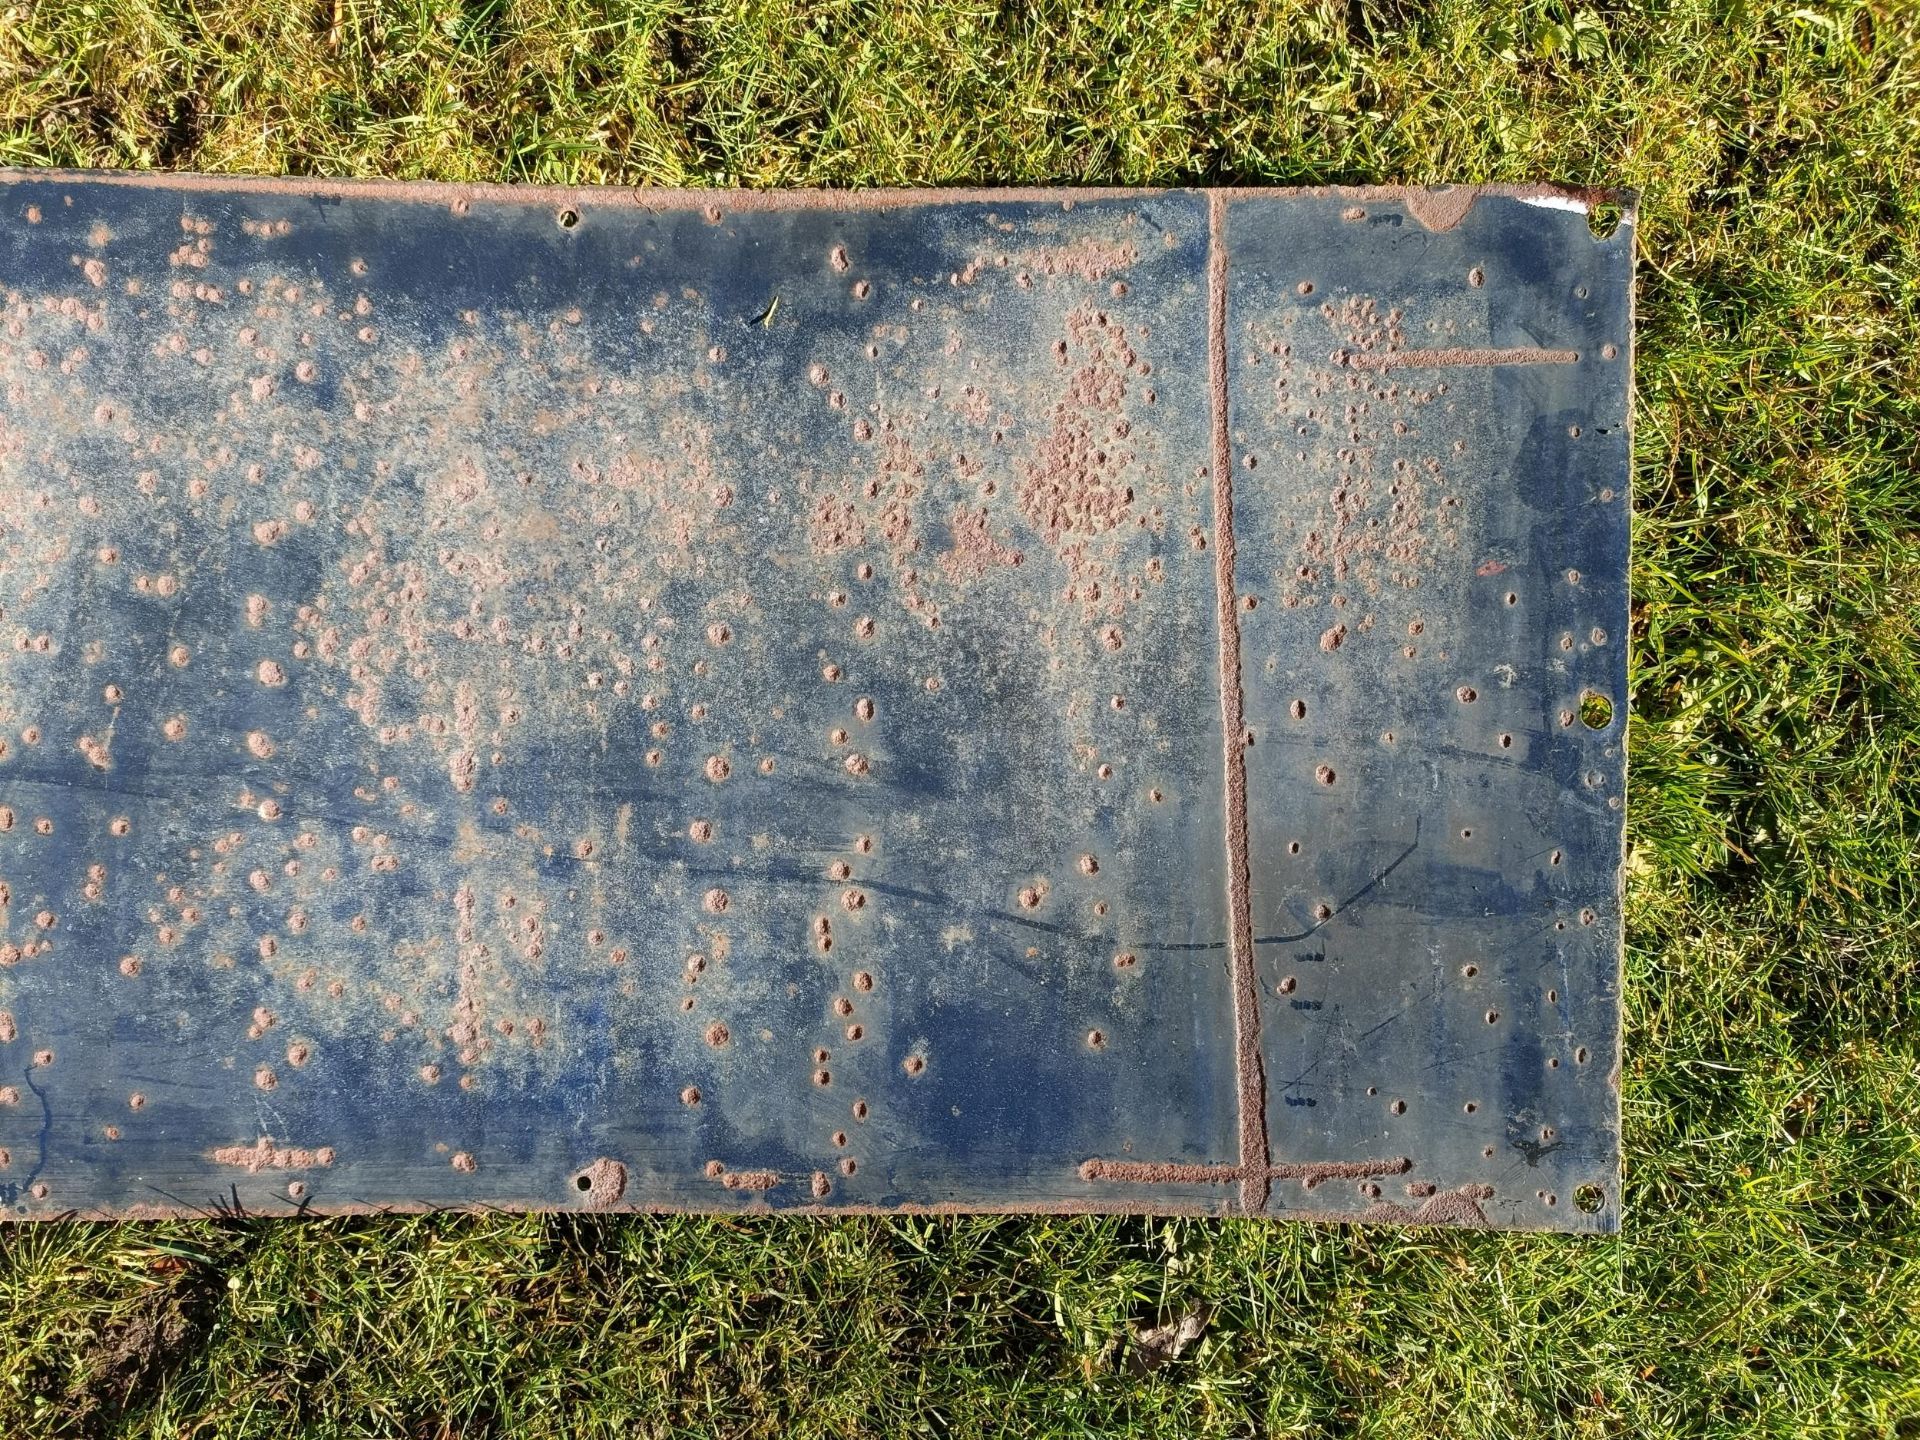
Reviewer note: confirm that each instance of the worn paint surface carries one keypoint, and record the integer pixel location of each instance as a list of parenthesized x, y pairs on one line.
[(642, 700)]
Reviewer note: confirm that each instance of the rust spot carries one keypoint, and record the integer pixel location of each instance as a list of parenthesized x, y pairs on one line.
[(601, 1184), (264, 1154)]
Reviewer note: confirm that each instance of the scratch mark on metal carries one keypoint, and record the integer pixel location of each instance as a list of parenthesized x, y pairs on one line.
[(46, 1127), (1356, 896)]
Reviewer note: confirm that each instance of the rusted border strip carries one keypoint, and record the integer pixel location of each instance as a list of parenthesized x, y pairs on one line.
[(646, 197), (1246, 993), (1438, 207)]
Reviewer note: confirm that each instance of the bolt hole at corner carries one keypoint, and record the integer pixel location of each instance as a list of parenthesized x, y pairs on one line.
[(1596, 710), (567, 219), (1589, 1198), (1604, 218), (583, 1182)]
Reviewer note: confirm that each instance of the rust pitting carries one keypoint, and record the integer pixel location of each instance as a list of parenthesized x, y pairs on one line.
[(1076, 487), (974, 550), (1389, 509)]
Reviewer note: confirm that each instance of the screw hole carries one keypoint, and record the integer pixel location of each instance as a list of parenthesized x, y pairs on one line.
[(1589, 1198), (1596, 711), (568, 218), (583, 1182)]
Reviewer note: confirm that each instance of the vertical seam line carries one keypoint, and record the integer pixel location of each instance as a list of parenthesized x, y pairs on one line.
[(1248, 1070)]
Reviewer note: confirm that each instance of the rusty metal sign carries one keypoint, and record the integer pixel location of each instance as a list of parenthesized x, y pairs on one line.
[(956, 700)]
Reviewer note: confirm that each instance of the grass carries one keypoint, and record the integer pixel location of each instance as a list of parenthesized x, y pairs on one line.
[(1768, 1280)]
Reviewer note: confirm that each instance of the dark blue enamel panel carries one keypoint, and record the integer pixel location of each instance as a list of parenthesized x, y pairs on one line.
[(656, 700)]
